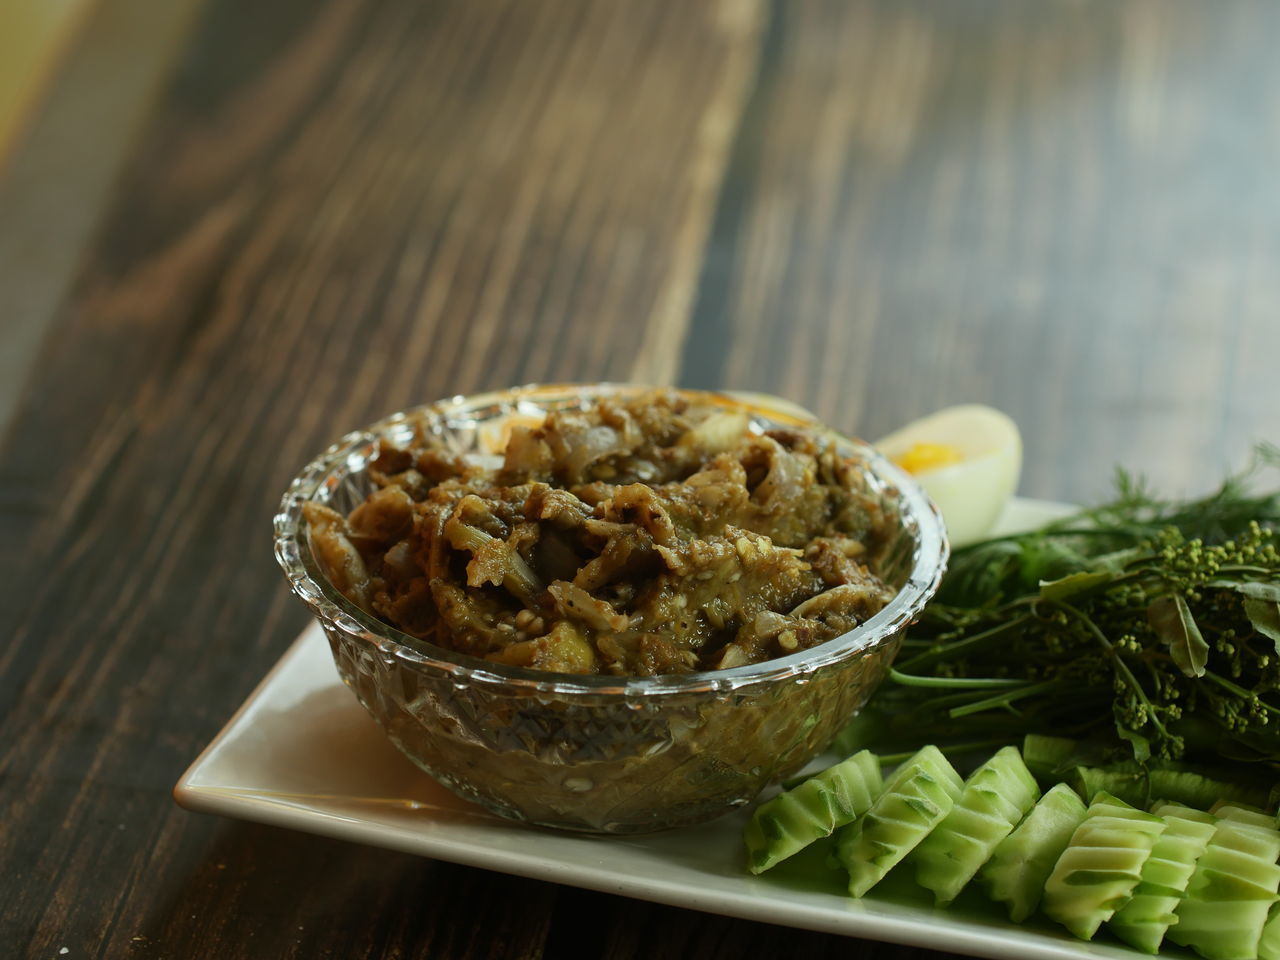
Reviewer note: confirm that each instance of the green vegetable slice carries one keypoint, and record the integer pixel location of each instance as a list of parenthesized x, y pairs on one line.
[(1021, 863), (1140, 784), (916, 798), (1269, 942), (1047, 757), (1231, 892), (1172, 808), (1197, 790), (1101, 866), (1243, 813), (994, 800), (1143, 921), (791, 821), (1130, 786)]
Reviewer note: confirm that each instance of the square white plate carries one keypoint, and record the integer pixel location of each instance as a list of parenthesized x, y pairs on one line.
[(302, 753)]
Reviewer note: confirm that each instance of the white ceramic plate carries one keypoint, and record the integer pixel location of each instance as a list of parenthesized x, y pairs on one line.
[(302, 753)]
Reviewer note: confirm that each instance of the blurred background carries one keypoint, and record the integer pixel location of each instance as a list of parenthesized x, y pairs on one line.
[(231, 231), (1066, 210)]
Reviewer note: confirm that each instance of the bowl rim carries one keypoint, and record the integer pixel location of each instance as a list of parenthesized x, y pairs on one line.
[(332, 608)]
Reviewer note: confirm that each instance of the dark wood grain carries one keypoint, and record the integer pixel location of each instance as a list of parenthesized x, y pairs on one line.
[(1063, 210), (872, 208), (350, 208)]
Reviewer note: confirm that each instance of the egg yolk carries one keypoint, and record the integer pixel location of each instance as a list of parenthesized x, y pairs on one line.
[(923, 457)]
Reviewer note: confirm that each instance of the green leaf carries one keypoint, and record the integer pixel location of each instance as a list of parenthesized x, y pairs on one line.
[(1172, 621), (1117, 560), (1265, 617), (1049, 558), (1256, 589), (1141, 745), (1074, 584)]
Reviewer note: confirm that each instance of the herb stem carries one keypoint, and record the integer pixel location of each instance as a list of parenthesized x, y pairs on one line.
[(1240, 691), (952, 683), (1004, 699), (1121, 667), (952, 650)]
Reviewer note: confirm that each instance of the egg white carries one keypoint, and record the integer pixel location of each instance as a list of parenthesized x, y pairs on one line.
[(973, 491)]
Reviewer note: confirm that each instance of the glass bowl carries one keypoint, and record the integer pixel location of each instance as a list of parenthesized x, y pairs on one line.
[(603, 754)]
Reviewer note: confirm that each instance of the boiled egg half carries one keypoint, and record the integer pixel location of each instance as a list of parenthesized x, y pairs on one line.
[(967, 458)]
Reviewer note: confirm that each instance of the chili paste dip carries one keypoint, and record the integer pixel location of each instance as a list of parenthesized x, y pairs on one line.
[(641, 535)]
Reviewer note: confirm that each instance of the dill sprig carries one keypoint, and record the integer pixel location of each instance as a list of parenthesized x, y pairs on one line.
[(1150, 626)]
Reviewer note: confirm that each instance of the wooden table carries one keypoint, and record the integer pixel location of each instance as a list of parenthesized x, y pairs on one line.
[(341, 208)]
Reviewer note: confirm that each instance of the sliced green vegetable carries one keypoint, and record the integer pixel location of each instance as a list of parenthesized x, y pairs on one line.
[(791, 821), (915, 799), (1047, 757), (1022, 862), (1101, 866), (1231, 893), (1269, 942), (1142, 921), (1166, 808), (1243, 813), (994, 800), (1205, 880), (1141, 784), (1200, 790), (1126, 782)]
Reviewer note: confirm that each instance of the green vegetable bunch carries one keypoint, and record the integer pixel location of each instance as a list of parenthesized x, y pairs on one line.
[(1148, 626)]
